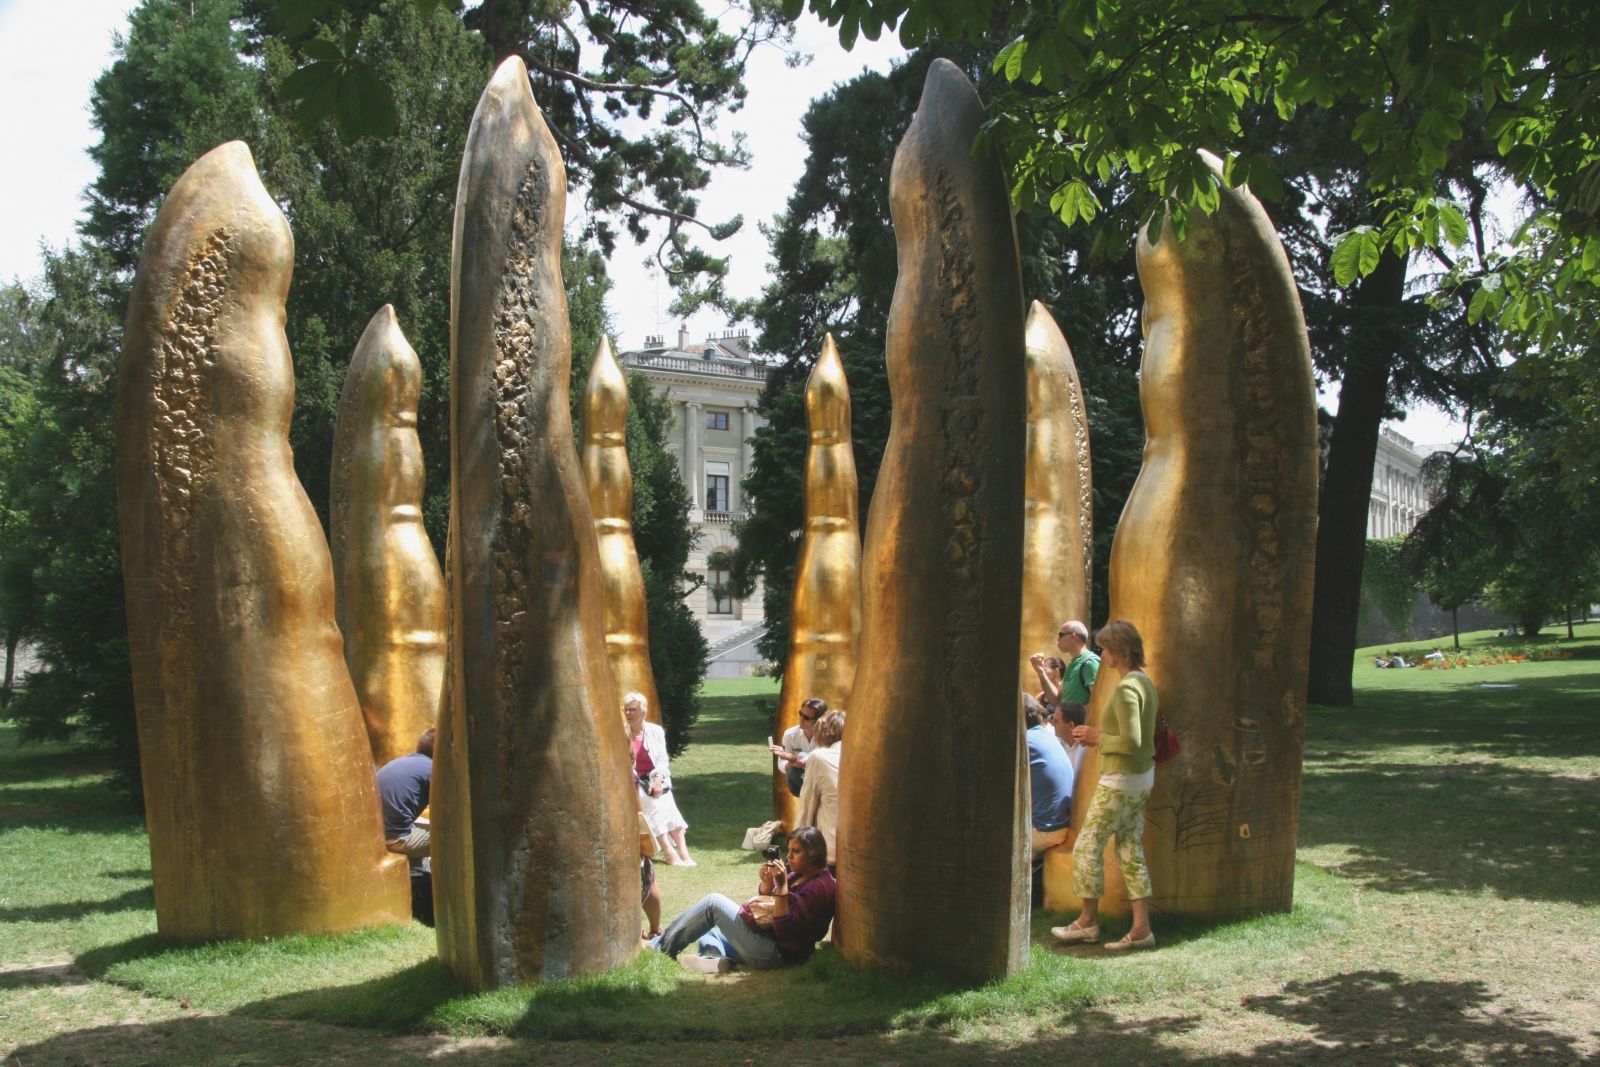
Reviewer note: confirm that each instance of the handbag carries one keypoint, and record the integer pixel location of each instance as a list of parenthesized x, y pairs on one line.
[(649, 847), (759, 837), (1167, 744)]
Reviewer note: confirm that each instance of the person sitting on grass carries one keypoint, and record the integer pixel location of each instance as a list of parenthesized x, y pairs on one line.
[(1050, 775), (778, 927)]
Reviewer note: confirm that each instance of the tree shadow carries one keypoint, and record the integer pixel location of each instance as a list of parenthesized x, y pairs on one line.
[(1382, 1017), (1460, 827), (97, 961), (140, 899), (1367, 1017), (43, 974)]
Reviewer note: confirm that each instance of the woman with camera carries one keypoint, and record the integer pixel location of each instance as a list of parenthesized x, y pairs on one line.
[(779, 926), (648, 743)]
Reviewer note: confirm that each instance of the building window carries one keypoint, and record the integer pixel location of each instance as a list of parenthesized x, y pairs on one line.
[(718, 602), (716, 492), (716, 420)]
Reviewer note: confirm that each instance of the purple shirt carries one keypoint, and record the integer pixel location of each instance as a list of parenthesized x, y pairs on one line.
[(810, 911)]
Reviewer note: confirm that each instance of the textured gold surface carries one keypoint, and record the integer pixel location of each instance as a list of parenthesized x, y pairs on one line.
[(1058, 530), (933, 845), (1213, 558), (825, 612), (389, 591), (535, 846), (258, 785), (610, 484)]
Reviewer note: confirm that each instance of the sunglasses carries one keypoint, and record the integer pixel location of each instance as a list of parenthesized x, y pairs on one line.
[(808, 718)]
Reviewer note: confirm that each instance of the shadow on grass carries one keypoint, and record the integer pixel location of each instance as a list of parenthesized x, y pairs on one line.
[(651, 998), (141, 899), (1368, 1017), (1459, 827), (1382, 1017)]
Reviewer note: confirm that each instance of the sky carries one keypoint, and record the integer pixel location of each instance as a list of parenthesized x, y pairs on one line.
[(45, 122)]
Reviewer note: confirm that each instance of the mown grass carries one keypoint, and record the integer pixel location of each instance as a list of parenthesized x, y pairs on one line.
[(1397, 797)]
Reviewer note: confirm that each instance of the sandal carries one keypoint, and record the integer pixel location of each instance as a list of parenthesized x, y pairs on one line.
[(1075, 934), (1125, 943)]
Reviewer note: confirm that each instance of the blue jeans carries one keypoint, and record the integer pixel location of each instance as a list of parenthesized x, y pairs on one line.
[(714, 923)]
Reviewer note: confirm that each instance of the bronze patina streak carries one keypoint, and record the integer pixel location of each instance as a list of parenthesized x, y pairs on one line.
[(610, 483), (389, 589), (932, 786), (825, 612), (1213, 557), (258, 786), (1058, 528), (536, 863)]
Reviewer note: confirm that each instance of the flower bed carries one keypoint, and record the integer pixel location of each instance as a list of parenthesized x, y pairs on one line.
[(1488, 657)]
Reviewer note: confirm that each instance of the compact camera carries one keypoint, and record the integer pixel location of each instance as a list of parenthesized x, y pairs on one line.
[(774, 851)]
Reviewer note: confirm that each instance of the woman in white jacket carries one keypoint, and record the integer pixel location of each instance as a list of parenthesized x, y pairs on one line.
[(648, 743), (819, 796)]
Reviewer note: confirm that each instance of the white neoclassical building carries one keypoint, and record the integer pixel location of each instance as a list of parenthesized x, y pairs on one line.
[(1398, 495), (713, 386)]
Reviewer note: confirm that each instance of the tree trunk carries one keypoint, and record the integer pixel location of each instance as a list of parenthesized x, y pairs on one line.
[(12, 637), (502, 23), (1569, 622), (1455, 626), (1347, 487)]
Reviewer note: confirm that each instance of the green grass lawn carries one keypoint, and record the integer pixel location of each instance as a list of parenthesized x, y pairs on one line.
[(1475, 784)]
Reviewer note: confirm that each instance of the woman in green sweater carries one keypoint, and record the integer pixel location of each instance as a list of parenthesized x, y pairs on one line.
[(1126, 739)]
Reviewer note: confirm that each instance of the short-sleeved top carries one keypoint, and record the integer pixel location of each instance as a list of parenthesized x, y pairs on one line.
[(1050, 774), (403, 791), (1078, 678), (796, 741)]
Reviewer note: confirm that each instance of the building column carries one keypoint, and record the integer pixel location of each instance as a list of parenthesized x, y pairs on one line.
[(746, 452), (693, 418)]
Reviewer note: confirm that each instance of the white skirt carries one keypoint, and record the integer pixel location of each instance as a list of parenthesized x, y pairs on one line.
[(661, 813)]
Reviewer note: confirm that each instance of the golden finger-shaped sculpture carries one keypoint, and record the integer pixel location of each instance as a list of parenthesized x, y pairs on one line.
[(610, 484), (1058, 528), (389, 591), (825, 613), (258, 783), (535, 854), (932, 780), (1213, 557)]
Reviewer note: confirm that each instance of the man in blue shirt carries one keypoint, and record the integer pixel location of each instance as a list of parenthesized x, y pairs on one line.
[(1051, 771), (403, 789)]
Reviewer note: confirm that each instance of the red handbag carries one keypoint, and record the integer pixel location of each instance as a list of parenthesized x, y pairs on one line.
[(1167, 744)]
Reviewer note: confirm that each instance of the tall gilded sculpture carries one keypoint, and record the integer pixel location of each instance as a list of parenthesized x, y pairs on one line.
[(388, 589), (258, 785), (1058, 530), (825, 612), (932, 784), (535, 850), (610, 483), (1213, 557)]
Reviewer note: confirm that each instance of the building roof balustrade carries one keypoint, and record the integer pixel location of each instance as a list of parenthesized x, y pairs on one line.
[(687, 364)]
